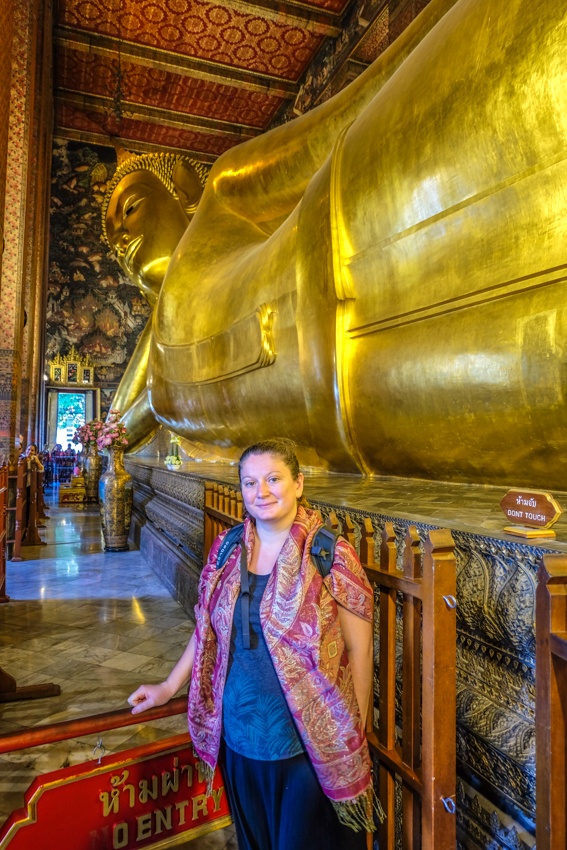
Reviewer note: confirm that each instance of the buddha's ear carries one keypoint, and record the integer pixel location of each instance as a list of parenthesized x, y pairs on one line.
[(188, 185)]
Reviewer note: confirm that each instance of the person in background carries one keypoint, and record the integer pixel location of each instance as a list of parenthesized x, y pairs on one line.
[(280, 677), (32, 455)]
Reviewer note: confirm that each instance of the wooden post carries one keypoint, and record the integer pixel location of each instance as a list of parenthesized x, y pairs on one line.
[(349, 531), (333, 521), (20, 508), (10, 692), (367, 558), (207, 526), (387, 678), (31, 535), (551, 703), (438, 718), (411, 691)]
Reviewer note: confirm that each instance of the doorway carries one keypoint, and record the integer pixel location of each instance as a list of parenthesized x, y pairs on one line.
[(67, 410)]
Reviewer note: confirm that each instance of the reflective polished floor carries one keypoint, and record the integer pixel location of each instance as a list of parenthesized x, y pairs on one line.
[(97, 624)]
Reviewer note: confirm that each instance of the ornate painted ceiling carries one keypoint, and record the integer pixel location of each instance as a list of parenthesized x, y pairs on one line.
[(195, 75), (203, 75)]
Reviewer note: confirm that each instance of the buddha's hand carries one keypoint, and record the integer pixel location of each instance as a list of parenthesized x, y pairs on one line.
[(150, 696)]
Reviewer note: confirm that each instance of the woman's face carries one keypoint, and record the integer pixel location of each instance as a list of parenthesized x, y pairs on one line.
[(269, 491)]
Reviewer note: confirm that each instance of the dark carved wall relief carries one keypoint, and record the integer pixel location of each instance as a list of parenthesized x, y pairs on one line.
[(496, 583)]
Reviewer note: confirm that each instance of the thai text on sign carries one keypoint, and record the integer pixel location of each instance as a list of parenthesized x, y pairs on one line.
[(534, 508), (138, 798)]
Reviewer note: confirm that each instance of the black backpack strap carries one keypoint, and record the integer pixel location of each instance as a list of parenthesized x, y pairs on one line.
[(323, 549), (244, 597), (233, 539), (229, 544)]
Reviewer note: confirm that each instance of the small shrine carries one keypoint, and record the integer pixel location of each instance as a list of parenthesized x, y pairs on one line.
[(73, 369)]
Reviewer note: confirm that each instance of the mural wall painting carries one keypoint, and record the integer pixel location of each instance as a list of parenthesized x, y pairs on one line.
[(90, 304), (369, 28)]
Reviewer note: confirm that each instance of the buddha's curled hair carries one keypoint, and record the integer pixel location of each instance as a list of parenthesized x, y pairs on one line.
[(160, 164)]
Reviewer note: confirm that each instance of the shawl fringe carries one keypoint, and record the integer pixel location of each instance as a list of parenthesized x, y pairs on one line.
[(360, 813), (208, 775), (206, 772)]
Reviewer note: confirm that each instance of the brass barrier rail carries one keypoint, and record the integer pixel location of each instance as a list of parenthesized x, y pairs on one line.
[(94, 724)]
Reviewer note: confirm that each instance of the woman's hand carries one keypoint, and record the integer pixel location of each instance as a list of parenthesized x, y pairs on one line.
[(149, 696)]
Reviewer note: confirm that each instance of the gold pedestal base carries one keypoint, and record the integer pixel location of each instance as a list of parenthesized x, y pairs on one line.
[(531, 533)]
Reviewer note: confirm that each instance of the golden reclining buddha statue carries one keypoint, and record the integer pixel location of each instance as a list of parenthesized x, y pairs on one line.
[(381, 279)]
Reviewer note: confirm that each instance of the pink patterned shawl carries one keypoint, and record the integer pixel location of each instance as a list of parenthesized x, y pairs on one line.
[(300, 621)]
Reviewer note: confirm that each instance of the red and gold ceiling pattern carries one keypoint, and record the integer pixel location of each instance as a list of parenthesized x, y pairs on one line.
[(201, 30), (87, 72), (204, 75), (199, 75), (89, 122)]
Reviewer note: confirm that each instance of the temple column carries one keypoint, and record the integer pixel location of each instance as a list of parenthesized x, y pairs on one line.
[(27, 131)]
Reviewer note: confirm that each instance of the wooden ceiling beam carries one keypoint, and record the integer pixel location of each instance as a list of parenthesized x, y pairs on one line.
[(157, 115), (291, 13), (133, 145), (174, 63)]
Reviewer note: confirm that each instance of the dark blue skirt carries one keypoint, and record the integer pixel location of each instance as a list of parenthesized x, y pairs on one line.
[(279, 805)]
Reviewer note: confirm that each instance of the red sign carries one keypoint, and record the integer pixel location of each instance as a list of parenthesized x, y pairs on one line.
[(533, 508), (146, 797)]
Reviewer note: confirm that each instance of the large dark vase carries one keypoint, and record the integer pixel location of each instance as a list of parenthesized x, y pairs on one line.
[(115, 496), (92, 467)]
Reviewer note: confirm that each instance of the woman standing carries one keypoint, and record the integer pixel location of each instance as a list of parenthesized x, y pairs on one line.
[(281, 672)]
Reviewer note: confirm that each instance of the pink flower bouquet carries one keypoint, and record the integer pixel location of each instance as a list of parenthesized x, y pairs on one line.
[(88, 434), (113, 433)]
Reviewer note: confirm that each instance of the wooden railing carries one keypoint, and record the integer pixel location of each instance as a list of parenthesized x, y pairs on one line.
[(414, 742), (424, 761), (551, 704), (26, 515), (223, 509)]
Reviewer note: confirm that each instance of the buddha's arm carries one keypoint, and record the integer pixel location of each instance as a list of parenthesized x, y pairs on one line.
[(140, 421), (135, 376), (265, 178)]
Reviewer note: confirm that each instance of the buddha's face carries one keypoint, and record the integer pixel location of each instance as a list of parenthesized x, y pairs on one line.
[(144, 224)]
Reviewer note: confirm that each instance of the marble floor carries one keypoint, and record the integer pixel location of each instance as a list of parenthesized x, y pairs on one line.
[(97, 624)]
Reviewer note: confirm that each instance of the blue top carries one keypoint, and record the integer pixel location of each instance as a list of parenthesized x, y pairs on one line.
[(257, 722)]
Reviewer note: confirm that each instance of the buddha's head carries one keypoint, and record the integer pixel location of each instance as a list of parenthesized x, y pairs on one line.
[(145, 212)]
